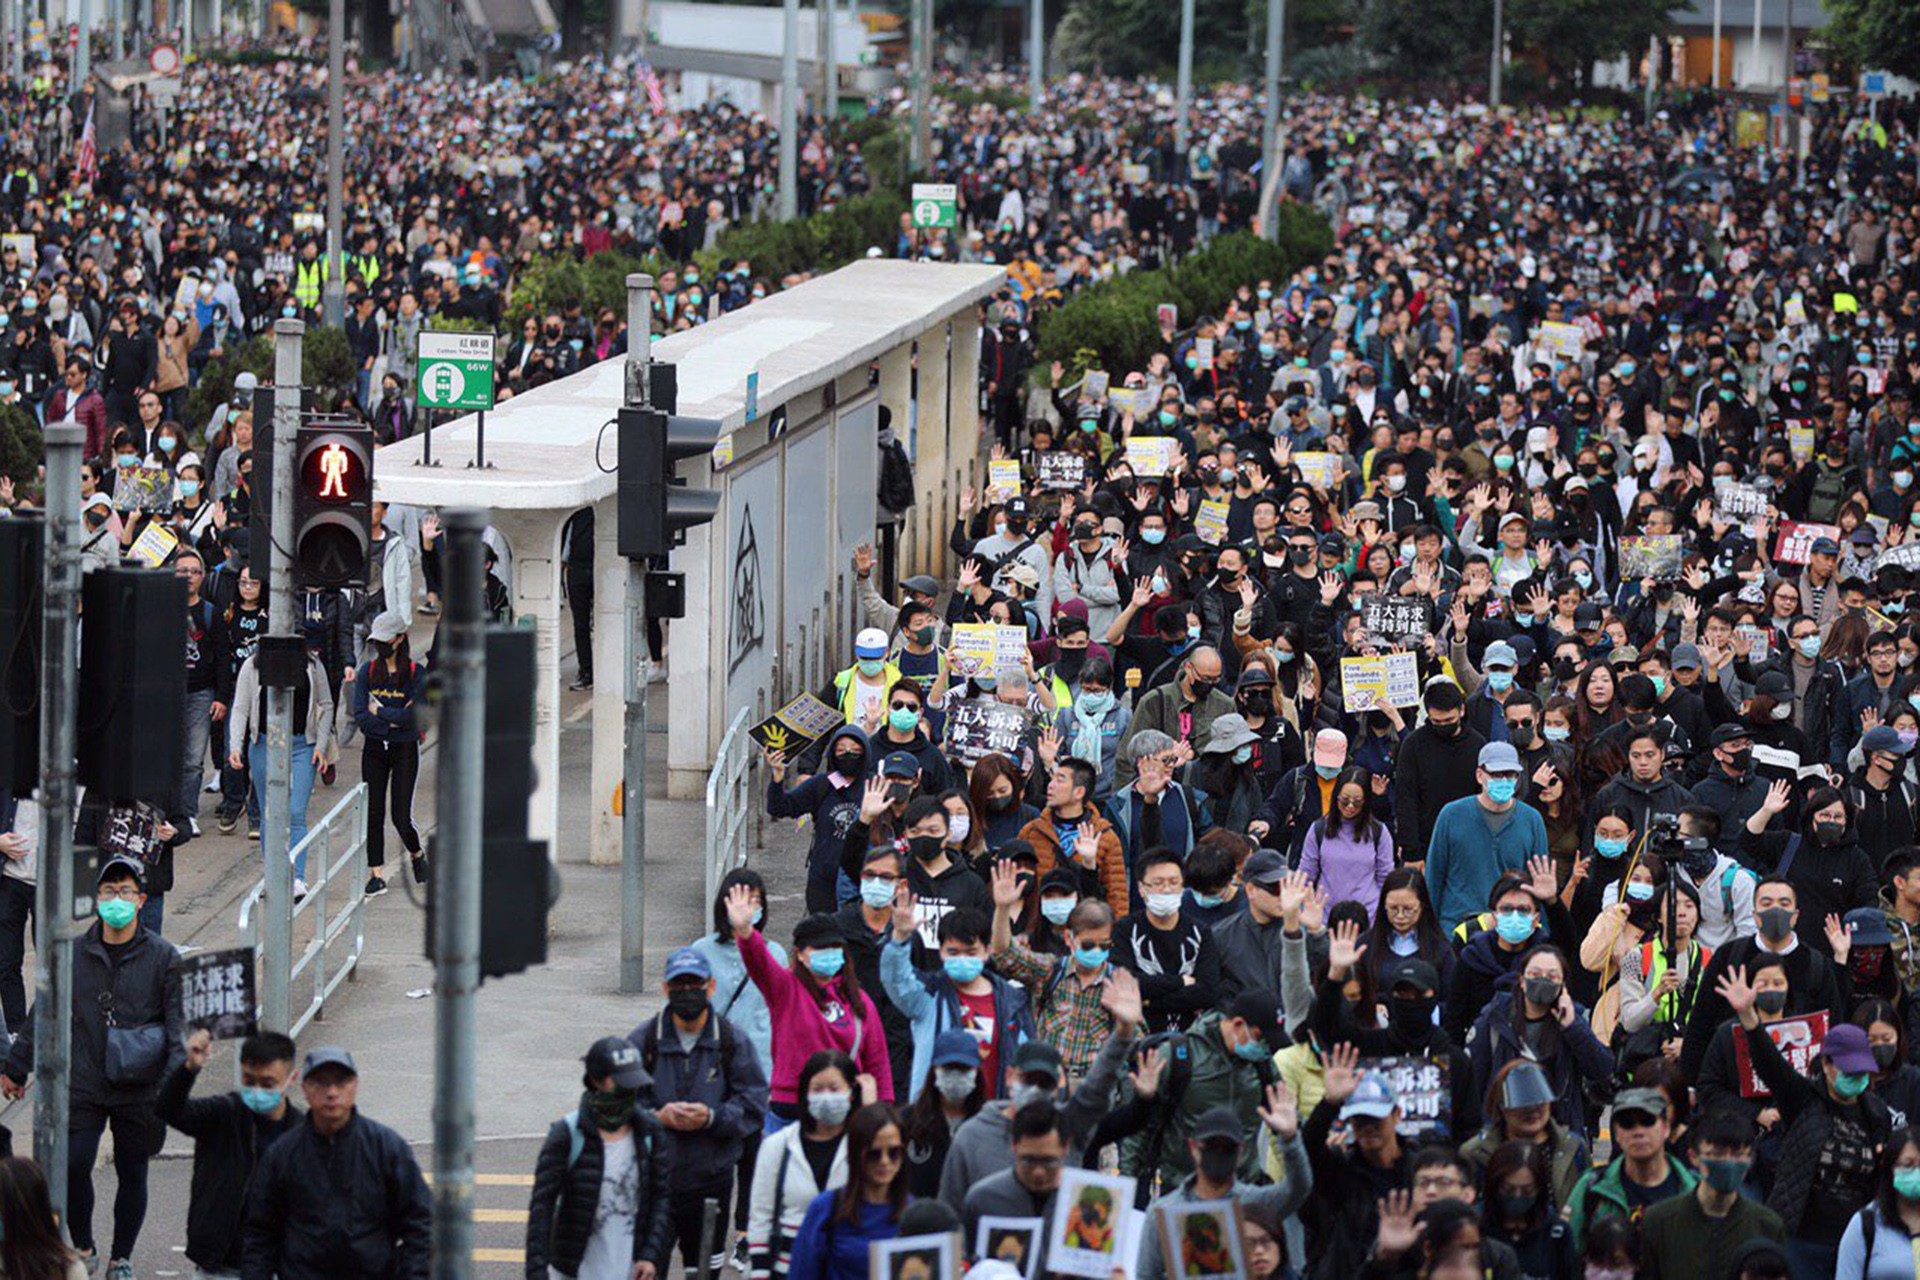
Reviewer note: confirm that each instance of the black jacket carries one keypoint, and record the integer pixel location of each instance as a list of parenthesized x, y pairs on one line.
[(1812, 987), (722, 1072), (1433, 771), (566, 1195), (228, 1140), (352, 1206), (140, 987)]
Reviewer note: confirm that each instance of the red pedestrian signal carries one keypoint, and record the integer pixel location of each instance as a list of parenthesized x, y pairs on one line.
[(333, 505)]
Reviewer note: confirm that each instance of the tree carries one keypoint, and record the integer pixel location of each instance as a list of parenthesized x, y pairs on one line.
[(1878, 35), (1572, 35), (1422, 40), (1129, 37)]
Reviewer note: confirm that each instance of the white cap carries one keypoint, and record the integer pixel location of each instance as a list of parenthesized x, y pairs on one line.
[(870, 643)]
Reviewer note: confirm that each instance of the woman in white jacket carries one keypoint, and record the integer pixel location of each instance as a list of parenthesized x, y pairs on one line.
[(312, 741), (799, 1162)]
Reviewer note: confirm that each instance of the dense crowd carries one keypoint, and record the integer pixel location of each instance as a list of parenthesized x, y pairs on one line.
[(1416, 780)]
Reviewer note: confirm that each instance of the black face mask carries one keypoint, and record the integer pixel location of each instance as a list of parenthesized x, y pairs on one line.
[(1447, 730), (1254, 704), (1069, 661), (687, 1005), (1514, 1207), (1884, 1055), (1544, 992), (1742, 760), (1217, 1164), (848, 763), (1300, 555), (1203, 689), (1522, 735), (1411, 1017), (1771, 1003), (1002, 804), (925, 848), (1775, 923)]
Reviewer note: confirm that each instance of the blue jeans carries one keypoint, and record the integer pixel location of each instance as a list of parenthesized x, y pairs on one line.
[(154, 913), (302, 778), (193, 759)]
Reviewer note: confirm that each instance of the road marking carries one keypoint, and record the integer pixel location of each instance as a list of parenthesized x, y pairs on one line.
[(495, 1179), (500, 1255), (580, 712), (499, 1215)]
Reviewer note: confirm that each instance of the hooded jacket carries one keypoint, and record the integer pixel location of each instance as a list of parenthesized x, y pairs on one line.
[(1581, 1059), (566, 1197), (1644, 799), (931, 1000), (833, 809)]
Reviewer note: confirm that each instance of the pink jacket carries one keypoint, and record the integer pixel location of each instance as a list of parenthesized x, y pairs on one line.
[(801, 1028)]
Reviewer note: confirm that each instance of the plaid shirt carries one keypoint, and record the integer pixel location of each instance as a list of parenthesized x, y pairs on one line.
[(1066, 1011)]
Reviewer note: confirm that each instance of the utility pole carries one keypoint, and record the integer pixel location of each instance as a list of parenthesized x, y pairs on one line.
[(1717, 78), (82, 51), (456, 890), (333, 288), (1787, 120), (118, 8), (920, 34), (633, 822), (1184, 90), (276, 801), (53, 896), (1653, 74), (789, 111), (1273, 145), (1037, 51), (824, 50), (1497, 65)]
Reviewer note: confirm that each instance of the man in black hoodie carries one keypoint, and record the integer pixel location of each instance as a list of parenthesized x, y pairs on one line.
[(1438, 764), (229, 1132), (1812, 984), (832, 799)]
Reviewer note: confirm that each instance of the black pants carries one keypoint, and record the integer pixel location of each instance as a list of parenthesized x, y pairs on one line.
[(689, 1214), (743, 1180), (137, 1136), (580, 602), (16, 910), (394, 763)]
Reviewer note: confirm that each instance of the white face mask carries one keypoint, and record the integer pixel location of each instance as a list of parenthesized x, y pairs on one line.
[(959, 827), (829, 1108)]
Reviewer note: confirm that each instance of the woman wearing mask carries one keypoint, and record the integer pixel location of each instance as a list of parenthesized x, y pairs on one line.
[(1280, 747), (1349, 853), (387, 690), (966, 834), (952, 1094), (392, 416), (1883, 1239), (1834, 1127), (173, 368), (1896, 1080), (834, 1239), (1519, 1108), (1556, 794), (1823, 861), (1769, 716), (1059, 895), (994, 787), (1092, 727), (32, 1248), (193, 512), (1721, 1080), (1613, 1251), (1405, 927), (817, 1005), (800, 1162), (735, 997), (1657, 993), (1228, 774), (1517, 1209), (1538, 1020)]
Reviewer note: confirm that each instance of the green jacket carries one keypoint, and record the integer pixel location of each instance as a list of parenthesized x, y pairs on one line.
[(1215, 1077), (1682, 1241), (1602, 1194), (1571, 1158)]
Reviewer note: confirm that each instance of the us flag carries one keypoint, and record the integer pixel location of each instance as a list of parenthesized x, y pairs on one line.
[(87, 162), (650, 82)]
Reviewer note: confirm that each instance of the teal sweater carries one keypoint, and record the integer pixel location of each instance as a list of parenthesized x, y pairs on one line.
[(1465, 856)]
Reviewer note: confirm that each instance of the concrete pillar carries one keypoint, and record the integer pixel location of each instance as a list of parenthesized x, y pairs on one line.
[(896, 393), (696, 701), (965, 445), (609, 675), (534, 538), (936, 452)]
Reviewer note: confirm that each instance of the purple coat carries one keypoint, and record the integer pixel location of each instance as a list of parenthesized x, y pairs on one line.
[(1349, 869)]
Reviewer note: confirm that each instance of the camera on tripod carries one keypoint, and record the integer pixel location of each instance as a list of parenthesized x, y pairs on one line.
[(1667, 842)]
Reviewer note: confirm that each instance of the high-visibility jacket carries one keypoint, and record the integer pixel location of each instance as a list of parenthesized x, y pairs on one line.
[(308, 279), (845, 685), (368, 267)]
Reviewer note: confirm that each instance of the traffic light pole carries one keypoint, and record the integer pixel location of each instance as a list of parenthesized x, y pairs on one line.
[(456, 889), (53, 901), (276, 801), (633, 823)]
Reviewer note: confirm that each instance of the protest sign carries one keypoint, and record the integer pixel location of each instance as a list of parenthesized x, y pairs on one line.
[(155, 543), (1003, 477), (1396, 617), (1651, 556), (1085, 1233), (1201, 1239), (1014, 1241), (1795, 545), (1377, 680), (139, 489), (1761, 638), (1168, 315), (1319, 469), (1739, 503), (133, 831), (1800, 442), (1061, 470), (216, 992), (1798, 1040), (1563, 340), (1203, 352), (1097, 382), (796, 724), (1210, 522), (1424, 1087), (977, 648), (1131, 400), (980, 727), (1905, 556), (1151, 455)]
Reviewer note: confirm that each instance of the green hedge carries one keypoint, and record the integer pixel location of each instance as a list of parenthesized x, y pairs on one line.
[(824, 241), (1112, 326), (324, 366)]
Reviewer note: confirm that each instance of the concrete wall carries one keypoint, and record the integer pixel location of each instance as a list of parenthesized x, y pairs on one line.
[(746, 28)]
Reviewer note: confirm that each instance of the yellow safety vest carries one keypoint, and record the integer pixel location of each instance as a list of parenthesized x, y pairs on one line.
[(307, 280), (369, 268), (849, 696), (1653, 963)]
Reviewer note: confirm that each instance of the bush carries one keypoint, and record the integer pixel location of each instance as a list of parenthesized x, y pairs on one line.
[(325, 368), (1003, 100), (1112, 326), (822, 242), (22, 447)]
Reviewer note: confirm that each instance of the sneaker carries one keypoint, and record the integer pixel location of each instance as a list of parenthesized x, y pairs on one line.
[(742, 1262), (119, 1269), (375, 886), (582, 685), (90, 1261), (213, 785), (226, 822), (419, 862), (253, 830), (299, 889), (193, 830)]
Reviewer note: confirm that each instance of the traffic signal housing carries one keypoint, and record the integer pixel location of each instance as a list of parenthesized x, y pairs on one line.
[(656, 507), (332, 504)]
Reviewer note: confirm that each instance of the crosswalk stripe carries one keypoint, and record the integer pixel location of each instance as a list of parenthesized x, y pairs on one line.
[(500, 1255), (499, 1215), (495, 1179)]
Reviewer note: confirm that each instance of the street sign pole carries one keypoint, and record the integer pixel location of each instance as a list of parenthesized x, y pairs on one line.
[(276, 807), (455, 371), (633, 824)]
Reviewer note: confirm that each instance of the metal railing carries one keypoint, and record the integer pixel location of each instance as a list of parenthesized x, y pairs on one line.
[(729, 803), (336, 849)]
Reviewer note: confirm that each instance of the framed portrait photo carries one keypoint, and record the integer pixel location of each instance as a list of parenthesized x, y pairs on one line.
[(929, 1257), (1011, 1240), (1202, 1240), (1085, 1235)]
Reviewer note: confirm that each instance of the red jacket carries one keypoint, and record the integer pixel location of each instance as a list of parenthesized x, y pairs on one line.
[(90, 411)]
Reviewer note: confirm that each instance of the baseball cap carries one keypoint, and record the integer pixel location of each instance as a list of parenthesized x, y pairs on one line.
[(1037, 1057), (1500, 654), (1414, 972), (1588, 615), (1510, 517), (386, 628), (956, 1048), (1847, 1049), (1499, 757), (1868, 925), (1217, 1123), (687, 963), (1652, 1102), (1024, 574), (1825, 547), (1623, 656), (901, 764), (1526, 1086), (921, 584), (1775, 684), (1330, 748), (245, 382), (328, 1055), (819, 931), (1882, 738), (1261, 1012), (116, 866), (1723, 734), (1686, 657), (870, 643), (1373, 1099), (1265, 867), (613, 1056)]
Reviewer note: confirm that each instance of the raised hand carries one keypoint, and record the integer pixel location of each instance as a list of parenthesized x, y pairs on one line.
[(873, 800), (1779, 796), (1313, 914), (1399, 1232), (1343, 1072), (1086, 847), (1540, 879), (1734, 988), (1461, 618), (1048, 745), (1345, 948), (863, 559), (741, 906), (1839, 939), (1293, 896), (776, 765), (1146, 1076), (906, 914), (1120, 996), (1282, 1113), (1007, 890)]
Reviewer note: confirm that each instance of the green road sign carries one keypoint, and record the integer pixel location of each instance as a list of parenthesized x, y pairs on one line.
[(935, 205), (455, 371)]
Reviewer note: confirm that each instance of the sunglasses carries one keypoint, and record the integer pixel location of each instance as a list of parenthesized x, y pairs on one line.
[(889, 1155)]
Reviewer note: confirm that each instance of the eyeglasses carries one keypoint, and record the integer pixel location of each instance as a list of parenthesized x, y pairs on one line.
[(889, 1155), (123, 892), (1039, 1162), (905, 706), (1438, 1182)]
